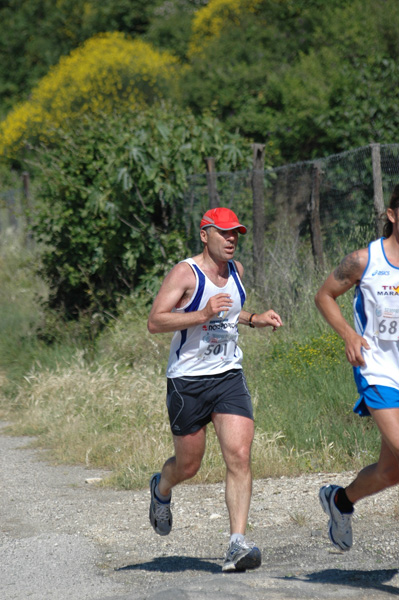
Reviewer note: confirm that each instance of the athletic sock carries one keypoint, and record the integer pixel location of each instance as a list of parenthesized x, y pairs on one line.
[(342, 501), (160, 497), (236, 537)]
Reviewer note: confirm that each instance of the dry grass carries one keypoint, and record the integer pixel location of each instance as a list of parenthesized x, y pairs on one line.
[(117, 419), (104, 405)]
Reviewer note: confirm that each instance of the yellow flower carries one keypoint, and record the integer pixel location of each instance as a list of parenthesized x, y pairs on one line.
[(109, 71)]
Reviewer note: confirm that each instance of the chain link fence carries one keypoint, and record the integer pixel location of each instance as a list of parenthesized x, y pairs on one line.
[(312, 213), (299, 216)]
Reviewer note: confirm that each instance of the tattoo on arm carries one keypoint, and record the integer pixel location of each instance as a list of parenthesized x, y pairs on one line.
[(348, 267)]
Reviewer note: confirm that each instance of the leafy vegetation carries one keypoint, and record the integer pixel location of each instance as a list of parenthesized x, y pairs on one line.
[(309, 77), (108, 72), (35, 34), (111, 106), (110, 213)]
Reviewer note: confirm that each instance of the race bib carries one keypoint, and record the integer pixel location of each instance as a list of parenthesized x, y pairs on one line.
[(386, 323), (220, 341)]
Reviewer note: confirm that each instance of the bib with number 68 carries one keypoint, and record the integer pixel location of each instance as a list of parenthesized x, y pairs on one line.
[(386, 323)]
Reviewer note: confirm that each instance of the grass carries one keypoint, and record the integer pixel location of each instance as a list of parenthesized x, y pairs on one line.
[(103, 405)]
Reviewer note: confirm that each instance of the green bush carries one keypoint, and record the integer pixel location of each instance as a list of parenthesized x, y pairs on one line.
[(110, 210)]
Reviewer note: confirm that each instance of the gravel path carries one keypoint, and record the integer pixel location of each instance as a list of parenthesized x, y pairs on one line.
[(62, 538)]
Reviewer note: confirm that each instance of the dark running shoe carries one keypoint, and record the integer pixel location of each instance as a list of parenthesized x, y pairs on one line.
[(160, 513)]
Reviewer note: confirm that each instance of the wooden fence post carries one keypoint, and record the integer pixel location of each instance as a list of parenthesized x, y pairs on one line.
[(314, 217), (26, 205), (258, 214), (25, 186), (211, 181), (379, 207)]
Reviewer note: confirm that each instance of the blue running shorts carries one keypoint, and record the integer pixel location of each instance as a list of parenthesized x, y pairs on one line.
[(377, 397)]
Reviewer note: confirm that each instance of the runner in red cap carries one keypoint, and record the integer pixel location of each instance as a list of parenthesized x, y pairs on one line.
[(201, 300)]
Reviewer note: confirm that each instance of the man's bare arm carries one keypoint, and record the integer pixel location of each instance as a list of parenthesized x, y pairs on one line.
[(179, 285), (350, 270), (343, 278), (268, 318)]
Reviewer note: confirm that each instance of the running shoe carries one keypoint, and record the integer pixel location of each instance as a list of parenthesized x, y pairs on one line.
[(160, 513), (340, 524), (242, 556)]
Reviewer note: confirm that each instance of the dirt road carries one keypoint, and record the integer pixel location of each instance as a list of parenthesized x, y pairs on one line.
[(65, 539)]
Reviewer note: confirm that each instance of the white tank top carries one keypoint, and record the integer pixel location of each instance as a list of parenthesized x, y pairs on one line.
[(376, 313), (209, 348)]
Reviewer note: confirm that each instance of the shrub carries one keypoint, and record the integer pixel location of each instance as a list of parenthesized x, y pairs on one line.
[(109, 71), (210, 20), (110, 208)]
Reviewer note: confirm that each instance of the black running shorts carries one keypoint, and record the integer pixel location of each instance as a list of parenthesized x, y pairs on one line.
[(192, 400)]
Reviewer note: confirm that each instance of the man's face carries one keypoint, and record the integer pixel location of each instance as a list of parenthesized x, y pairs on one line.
[(221, 243)]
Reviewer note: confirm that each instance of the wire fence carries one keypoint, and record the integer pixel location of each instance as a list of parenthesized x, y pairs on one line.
[(327, 207), (299, 215)]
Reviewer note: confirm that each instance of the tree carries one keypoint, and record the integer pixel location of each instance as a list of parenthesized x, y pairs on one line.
[(34, 34), (110, 211), (108, 72), (170, 25), (232, 69), (275, 73), (343, 94)]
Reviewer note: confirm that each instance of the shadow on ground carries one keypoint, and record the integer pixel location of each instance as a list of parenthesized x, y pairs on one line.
[(376, 580), (175, 564)]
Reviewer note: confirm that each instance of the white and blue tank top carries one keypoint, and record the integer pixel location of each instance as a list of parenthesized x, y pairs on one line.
[(376, 314), (211, 347)]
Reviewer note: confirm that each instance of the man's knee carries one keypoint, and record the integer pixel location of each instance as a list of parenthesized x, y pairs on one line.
[(188, 470), (239, 459), (390, 476)]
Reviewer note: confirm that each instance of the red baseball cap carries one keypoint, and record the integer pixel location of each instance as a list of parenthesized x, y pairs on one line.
[(222, 218)]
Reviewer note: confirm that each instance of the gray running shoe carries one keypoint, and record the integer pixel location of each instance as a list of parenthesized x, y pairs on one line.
[(160, 513), (242, 556), (340, 524)]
